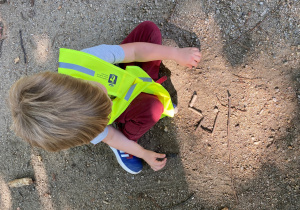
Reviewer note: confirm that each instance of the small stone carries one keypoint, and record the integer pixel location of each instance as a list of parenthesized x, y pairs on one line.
[(290, 147), (257, 143), (216, 109), (17, 59), (298, 47), (277, 89), (166, 129), (47, 195), (39, 158), (105, 202), (59, 7), (274, 99)]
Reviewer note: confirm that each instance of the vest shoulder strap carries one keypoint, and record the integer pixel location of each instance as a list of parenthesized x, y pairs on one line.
[(88, 67)]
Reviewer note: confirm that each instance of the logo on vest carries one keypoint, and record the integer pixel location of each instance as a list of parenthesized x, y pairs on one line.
[(112, 80)]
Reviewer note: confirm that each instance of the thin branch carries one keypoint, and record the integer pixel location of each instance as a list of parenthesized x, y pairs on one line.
[(22, 46), (228, 145)]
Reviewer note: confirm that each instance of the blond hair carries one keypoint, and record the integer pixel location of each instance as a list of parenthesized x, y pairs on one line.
[(55, 111)]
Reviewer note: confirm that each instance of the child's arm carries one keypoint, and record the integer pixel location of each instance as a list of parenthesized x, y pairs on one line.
[(117, 140), (142, 52)]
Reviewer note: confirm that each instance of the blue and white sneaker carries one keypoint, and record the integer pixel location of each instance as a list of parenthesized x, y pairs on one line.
[(128, 162)]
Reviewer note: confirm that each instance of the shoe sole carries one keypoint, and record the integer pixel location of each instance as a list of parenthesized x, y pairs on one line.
[(121, 162)]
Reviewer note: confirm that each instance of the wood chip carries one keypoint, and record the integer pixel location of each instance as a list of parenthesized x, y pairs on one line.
[(194, 98), (20, 182)]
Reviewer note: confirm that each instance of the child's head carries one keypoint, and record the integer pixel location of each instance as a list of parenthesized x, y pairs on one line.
[(55, 111)]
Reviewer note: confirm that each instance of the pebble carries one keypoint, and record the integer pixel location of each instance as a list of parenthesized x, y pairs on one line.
[(166, 129), (17, 59), (216, 109), (274, 99), (39, 158)]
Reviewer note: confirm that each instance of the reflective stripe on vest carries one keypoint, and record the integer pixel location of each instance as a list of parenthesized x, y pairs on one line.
[(125, 85)]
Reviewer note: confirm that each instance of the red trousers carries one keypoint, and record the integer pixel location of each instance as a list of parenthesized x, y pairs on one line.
[(145, 110)]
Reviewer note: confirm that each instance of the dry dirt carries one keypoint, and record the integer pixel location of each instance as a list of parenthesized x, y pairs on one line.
[(251, 49)]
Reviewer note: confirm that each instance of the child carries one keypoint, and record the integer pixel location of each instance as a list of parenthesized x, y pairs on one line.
[(56, 111)]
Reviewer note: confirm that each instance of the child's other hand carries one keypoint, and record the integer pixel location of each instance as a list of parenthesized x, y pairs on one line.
[(189, 56), (151, 158)]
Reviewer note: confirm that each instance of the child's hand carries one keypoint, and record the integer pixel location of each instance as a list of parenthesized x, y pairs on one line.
[(151, 158), (189, 56)]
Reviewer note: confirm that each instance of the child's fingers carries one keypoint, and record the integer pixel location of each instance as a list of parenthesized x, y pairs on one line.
[(159, 155), (193, 63), (198, 53), (195, 49), (197, 58), (159, 165)]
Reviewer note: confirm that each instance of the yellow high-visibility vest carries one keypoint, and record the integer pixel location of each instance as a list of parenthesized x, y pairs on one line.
[(124, 85)]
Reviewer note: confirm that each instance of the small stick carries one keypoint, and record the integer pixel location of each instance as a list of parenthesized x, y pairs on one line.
[(206, 129), (215, 122), (241, 77), (228, 145), (195, 111), (199, 125), (194, 98), (22, 46)]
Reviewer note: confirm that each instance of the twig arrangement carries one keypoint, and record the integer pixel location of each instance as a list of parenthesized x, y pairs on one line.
[(193, 109)]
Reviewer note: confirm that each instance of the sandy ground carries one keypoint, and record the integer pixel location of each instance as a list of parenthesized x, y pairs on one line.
[(251, 49)]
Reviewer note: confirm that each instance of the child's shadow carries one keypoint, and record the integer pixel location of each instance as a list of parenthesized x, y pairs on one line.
[(164, 71)]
